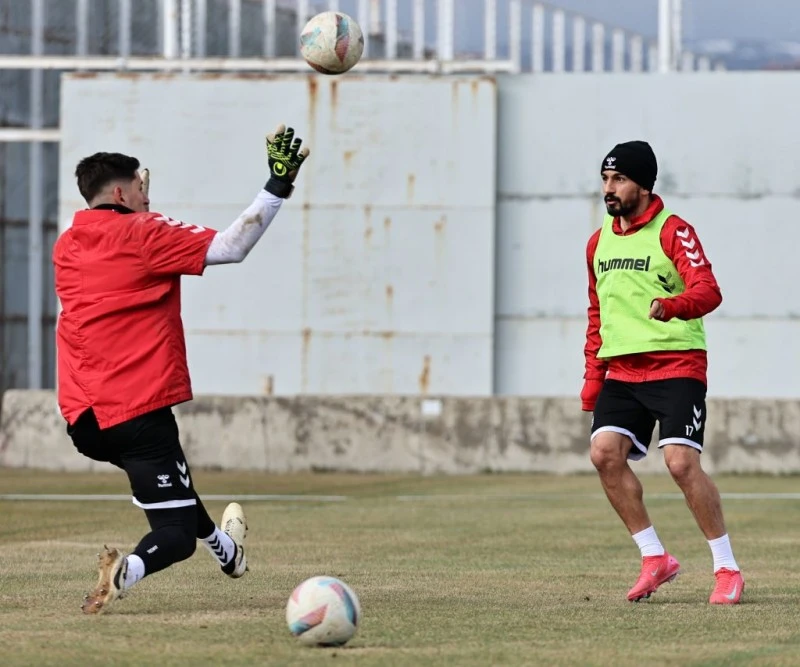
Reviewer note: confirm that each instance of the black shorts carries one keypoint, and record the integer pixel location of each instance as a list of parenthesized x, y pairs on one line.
[(148, 449), (632, 408)]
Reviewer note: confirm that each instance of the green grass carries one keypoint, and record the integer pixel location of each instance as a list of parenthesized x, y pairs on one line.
[(481, 570)]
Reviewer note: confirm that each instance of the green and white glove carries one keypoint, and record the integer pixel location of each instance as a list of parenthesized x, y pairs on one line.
[(285, 156)]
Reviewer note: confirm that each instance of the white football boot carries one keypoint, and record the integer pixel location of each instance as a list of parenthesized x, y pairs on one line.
[(234, 525)]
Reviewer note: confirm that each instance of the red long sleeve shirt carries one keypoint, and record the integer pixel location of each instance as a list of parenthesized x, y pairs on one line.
[(702, 295), (120, 342)]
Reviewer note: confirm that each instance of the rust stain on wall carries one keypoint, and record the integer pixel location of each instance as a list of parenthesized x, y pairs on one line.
[(334, 96), (312, 103), (425, 375), (304, 360), (368, 229)]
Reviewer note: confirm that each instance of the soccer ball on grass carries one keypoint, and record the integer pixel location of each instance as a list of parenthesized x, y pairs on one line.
[(323, 611)]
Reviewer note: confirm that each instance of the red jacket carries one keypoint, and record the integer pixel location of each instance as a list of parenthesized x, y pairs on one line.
[(681, 244), (119, 338)]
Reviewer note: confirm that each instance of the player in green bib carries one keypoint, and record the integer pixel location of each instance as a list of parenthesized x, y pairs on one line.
[(650, 285)]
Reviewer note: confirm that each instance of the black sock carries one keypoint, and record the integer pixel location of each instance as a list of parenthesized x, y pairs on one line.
[(172, 539), (205, 524)]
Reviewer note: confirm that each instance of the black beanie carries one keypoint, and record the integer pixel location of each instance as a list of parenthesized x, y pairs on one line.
[(634, 159)]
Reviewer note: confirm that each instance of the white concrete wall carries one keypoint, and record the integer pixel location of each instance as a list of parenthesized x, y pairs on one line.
[(487, 275), (727, 146), (376, 276)]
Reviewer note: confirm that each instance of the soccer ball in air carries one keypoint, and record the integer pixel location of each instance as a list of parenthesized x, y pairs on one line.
[(332, 42), (323, 611)]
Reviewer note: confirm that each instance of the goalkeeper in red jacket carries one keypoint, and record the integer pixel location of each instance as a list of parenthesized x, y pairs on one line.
[(122, 354)]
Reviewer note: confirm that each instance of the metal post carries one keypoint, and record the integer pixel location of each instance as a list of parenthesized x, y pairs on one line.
[(374, 17), (82, 27), (186, 29), (677, 32), (446, 29), (703, 64), (598, 48), (301, 18), (169, 25), (391, 29), (235, 27), (200, 25), (35, 207), (124, 29), (515, 35), (559, 41), (664, 36), (687, 61), (363, 21), (618, 50), (419, 29), (333, 5), (489, 29), (270, 28), (578, 44), (637, 54), (537, 39)]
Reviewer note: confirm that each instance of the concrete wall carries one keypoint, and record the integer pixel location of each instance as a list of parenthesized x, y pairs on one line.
[(727, 147), (403, 434), (377, 275), (479, 285)]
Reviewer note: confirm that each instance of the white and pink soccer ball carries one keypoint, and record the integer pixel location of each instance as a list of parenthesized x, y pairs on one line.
[(332, 42), (323, 611)]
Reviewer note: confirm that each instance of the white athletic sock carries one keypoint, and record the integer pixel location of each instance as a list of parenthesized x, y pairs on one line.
[(648, 542), (722, 553), (221, 546), (135, 571)]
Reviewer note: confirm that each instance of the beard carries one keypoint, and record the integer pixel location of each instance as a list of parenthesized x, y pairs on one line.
[(617, 208)]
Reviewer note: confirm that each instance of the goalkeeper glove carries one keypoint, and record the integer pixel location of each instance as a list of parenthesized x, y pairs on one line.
[(285, 157)]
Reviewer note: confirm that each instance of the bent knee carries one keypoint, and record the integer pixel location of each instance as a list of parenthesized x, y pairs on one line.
[(610, 450), (682, 462)]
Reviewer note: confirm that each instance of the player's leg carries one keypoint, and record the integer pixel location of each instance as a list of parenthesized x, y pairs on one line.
[(161, 482), (157, 452), (621, 431), (226, 545), (682, 414), (163, 445)]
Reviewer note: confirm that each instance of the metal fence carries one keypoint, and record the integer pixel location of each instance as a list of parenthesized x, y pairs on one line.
[(39, 39)]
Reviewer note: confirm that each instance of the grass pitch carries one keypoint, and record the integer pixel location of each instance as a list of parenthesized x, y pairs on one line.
[(483, 570)]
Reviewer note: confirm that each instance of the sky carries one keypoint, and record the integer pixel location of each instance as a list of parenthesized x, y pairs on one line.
[(703, 19)]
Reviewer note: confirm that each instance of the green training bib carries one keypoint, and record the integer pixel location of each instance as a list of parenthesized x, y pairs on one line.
[(631, 271)]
